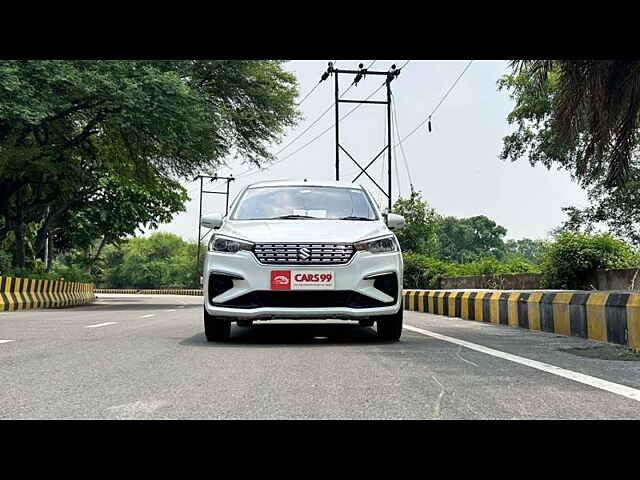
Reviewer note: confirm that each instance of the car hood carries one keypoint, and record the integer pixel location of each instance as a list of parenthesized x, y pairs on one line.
[(303, 231)]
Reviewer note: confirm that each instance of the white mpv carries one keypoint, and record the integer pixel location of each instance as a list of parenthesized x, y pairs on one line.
[(303, 250)]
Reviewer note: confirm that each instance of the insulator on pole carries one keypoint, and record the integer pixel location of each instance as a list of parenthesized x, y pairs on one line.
[(429, 124)]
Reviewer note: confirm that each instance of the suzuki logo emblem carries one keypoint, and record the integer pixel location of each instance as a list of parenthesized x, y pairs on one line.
[(304, 254)]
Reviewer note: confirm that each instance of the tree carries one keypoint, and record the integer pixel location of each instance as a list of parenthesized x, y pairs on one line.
[(420, 232), (526, 248), (593, 119), (64, 125), (162, 260), (465, 240), (586, 126)]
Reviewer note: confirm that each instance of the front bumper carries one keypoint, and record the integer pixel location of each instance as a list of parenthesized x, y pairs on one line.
[(248, 275)]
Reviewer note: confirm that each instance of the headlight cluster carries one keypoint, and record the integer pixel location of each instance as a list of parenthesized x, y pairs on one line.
[(378, 245), (220, 243)]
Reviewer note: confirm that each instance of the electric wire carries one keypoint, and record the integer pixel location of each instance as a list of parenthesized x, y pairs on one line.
[(251, 172), (310, 92), (397, 129), (439, 103), (312, 124)]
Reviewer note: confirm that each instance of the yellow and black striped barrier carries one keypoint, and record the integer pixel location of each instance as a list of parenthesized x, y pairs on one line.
[(25, 293), (181, 291), (603, 316)]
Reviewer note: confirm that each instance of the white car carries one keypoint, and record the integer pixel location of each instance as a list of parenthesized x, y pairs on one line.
[(303, 250)]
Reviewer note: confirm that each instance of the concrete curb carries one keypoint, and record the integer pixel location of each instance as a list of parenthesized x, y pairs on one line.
[(26, 293), (603, 316)]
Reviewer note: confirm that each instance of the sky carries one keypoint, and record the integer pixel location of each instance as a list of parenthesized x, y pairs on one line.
[(456, 166)]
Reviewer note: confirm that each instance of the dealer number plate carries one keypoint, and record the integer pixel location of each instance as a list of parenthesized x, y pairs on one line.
[(302, 280)]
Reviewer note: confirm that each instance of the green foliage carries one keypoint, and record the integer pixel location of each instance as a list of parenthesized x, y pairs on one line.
[(582, 137), (581, 114), (420, 232), (422, 271), (466, 240), (89, 150), (526, 249), (162, 260), (6, 260), (573, 257)]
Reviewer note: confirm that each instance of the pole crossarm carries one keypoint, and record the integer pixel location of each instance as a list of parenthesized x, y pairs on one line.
[(361, 74), (212, 178), (356, 72), (382, 102)]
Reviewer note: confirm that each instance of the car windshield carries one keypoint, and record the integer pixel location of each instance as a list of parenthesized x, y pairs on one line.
[(331, 203)]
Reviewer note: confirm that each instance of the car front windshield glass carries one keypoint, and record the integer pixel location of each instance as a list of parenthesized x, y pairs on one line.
[(303, 202)]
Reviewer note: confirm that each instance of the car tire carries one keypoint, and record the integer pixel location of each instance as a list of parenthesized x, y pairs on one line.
[(390, 326), (365, 323), (216, 329), (244, 323)]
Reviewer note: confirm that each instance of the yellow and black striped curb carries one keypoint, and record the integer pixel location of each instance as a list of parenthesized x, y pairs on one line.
[(24, 293), (194, 292), (604, 316)]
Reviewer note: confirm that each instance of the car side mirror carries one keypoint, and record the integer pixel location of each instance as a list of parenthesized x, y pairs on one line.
[(212, 220), (394, 221)]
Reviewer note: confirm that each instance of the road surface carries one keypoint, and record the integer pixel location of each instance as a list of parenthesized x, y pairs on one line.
[(146, 357)]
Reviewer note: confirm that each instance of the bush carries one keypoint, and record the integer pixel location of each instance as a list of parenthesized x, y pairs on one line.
[(422, 271), (571, 259), (6, 260)]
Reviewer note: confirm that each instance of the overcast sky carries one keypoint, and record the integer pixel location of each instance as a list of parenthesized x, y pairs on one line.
[(456, 166)]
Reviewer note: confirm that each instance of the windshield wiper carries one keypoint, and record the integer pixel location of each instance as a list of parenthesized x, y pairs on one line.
[(291, 217), (356, 218)]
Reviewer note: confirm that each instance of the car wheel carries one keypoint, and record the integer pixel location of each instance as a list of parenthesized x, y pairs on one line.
[(244, 323), (390, 326), (366, 323), (216, 329)]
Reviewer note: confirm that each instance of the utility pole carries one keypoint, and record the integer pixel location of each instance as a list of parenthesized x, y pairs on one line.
[(391, 74), (226, 211)]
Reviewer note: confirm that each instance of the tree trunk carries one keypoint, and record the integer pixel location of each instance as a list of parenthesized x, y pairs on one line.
[(93, 260), (19, 233), (50, 256)]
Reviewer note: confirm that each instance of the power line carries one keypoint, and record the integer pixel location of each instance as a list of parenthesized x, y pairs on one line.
[(310, 92), (310, 125), (439, 103), (404, 156), (250, 172)]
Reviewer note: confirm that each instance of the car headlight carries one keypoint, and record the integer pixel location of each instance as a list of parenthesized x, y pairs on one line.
[(220, 243), (378, 245)]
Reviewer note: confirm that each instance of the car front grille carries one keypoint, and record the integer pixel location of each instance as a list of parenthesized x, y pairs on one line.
[(303, 253)]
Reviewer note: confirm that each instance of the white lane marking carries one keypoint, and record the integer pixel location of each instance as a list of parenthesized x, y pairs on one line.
[(148, 316), (136, 409), (6, 341), (436, 407), (101, 324), (623, 390), (171, 310)]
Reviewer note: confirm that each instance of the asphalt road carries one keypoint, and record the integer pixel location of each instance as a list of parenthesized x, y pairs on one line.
[(146, 357)]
